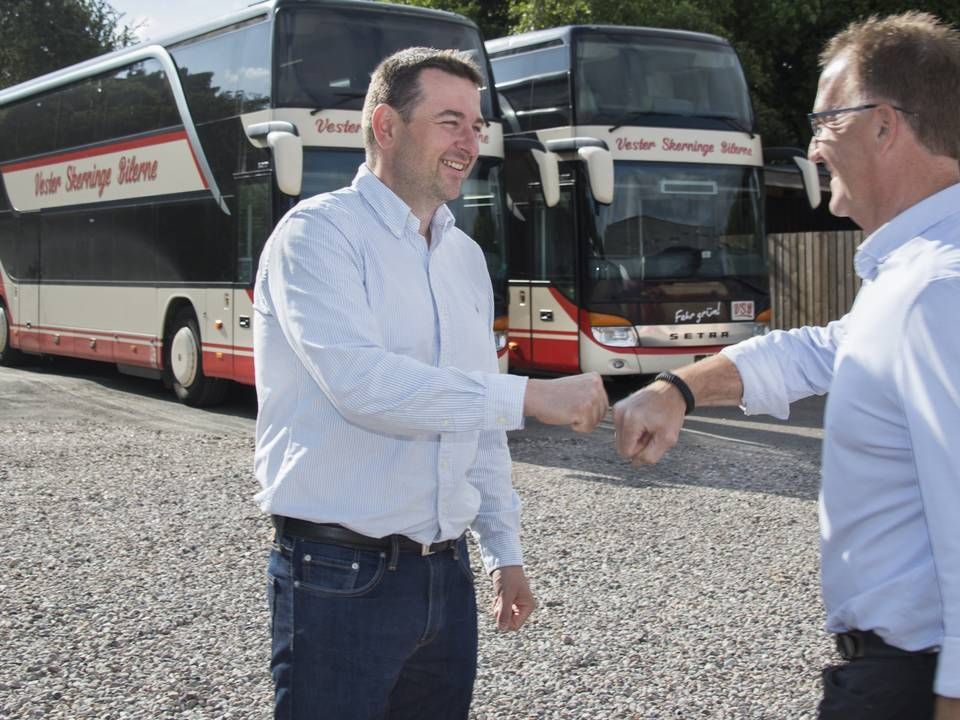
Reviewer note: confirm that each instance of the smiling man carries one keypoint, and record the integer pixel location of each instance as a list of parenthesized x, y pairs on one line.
[(885, 124), (381, 432)]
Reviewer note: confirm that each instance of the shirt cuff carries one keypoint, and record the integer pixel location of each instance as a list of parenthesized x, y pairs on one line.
[(505, 393), (947, 680), (501, 550), (762, 393)]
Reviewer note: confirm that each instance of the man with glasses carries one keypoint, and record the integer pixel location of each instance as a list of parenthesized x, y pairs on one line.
[(887, 128)]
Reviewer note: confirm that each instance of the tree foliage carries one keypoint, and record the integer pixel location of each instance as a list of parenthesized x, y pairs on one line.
[(39, 36), (778, 41)]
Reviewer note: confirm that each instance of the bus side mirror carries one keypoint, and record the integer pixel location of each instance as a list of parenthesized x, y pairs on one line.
[(810, 179), (526, 163), (599, 162), (287, 148), (549, 168)]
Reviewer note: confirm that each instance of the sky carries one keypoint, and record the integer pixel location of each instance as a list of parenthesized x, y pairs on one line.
[(155, 19)]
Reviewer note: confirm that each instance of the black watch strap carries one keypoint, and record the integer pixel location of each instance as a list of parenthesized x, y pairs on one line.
[(680, 385)]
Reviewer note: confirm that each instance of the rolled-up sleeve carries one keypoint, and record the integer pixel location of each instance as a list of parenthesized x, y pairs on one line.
[(784, 366)]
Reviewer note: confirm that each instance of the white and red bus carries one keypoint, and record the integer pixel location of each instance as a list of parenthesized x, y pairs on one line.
[(139, 187), (655, 255)]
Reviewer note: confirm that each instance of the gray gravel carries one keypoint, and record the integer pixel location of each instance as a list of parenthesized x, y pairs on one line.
[(133, 566)]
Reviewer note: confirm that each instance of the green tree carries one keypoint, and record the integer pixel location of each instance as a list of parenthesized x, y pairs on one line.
[(39, 36), (491, 16)]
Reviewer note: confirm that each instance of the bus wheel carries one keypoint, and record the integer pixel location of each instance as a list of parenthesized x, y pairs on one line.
[(184, 363), (9, 356)]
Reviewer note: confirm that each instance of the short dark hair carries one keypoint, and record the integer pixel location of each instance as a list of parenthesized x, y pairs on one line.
[(911, 60), (396, 82)]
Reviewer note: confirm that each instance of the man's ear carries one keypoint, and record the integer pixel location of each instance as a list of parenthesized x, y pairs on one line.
[(384, 121), (889, 124)]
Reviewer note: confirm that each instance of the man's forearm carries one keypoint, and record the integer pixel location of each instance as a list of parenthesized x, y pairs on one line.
[(714, 381)]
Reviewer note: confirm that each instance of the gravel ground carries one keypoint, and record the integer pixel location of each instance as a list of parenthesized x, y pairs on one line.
[(133, 568)]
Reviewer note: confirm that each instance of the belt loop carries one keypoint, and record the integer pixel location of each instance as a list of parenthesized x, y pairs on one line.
[(456, 549), (278, 525), (394, 552)]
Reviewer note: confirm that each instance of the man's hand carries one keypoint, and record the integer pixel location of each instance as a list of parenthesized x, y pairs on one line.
[(648, 423), (579, 401), (513, 602), (947, 708)]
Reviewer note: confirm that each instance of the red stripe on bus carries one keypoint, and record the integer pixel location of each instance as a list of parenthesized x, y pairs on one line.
[(100, 150), (104, 334), (527, 331), (231, 348)]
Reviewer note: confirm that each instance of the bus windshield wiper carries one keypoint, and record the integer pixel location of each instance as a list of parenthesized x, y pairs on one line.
[(343, 97), (640, 114)]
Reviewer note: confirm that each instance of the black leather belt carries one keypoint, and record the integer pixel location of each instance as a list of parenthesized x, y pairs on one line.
[(857, 644), (339, 535)]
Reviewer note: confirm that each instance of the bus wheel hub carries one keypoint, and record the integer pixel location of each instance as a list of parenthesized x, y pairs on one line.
[(183, 357)]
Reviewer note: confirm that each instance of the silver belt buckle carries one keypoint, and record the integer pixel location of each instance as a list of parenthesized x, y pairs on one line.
[(425, 550)]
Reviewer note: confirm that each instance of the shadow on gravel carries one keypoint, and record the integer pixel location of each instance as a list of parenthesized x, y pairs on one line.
[(241, 400), (719, 448)]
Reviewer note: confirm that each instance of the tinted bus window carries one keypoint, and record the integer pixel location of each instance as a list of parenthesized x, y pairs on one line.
[(135, 100), (620, 74), (325, 56), (226, 74)]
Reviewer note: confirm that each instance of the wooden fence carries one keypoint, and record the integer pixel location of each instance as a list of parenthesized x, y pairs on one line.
[(812, 280)]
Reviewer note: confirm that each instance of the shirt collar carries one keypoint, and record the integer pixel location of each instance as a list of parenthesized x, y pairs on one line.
[(912, 222), (394, 212)]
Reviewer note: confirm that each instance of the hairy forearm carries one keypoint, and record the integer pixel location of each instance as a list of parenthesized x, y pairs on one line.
[(714, 381)]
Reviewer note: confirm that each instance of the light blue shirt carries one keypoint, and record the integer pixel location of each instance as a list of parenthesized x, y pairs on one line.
[(890, 495), (381, 405)]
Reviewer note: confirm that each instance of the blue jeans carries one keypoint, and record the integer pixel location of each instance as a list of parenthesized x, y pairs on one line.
[(354, 639)]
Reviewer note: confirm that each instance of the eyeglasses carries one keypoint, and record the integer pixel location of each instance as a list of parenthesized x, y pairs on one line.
[(818, 119)]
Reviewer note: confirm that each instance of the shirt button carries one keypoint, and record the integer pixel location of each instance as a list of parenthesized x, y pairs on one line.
[(446, 423), (444, 464), (502, 420)]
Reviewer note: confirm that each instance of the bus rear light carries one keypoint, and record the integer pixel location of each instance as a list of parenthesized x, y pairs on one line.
[(765, 317)]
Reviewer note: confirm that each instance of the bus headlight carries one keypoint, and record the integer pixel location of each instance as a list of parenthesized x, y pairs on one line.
[(615, 336), (613, 330)]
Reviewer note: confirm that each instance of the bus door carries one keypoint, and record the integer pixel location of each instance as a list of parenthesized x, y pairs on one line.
[(27, 304), (543, 301), (253, 227)]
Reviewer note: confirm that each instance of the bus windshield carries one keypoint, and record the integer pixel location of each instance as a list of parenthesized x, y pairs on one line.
[(676, 222), (620, 75), (326, 170), (325, 55)]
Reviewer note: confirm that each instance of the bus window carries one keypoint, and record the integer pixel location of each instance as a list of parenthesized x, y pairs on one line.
[(325, 55), (226, 74), (253, 199)]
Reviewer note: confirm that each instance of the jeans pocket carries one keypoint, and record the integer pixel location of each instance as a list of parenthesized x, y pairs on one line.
[(462, 558), (332, 570)]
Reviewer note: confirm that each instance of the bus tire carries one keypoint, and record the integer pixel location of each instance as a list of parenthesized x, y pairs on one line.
[(184, 363), (9, 356)]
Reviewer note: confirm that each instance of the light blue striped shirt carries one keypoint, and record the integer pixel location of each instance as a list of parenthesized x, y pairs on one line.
[(381, 405), (890, 496)]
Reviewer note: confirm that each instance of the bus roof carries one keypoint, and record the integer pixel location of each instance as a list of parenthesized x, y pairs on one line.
[(263, 8), (562, 35)]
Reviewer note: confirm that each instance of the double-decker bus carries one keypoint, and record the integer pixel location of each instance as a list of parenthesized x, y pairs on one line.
[(138, 187), (655, 254)]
